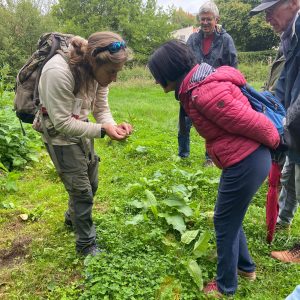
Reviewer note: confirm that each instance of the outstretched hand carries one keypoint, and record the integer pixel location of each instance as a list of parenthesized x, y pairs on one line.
[(127, 127), (117, 132)]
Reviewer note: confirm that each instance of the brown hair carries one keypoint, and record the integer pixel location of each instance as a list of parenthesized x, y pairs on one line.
[(81, 59)]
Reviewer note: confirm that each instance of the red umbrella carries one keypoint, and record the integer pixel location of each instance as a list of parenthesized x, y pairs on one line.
[(272, 200)]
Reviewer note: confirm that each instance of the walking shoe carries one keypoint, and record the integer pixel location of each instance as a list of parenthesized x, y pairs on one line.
[(211, 289), (208, 163), (92, 250), (288, 256), (251, 276)]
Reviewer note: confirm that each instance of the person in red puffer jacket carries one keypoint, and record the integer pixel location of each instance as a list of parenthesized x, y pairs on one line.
[(237, 139)]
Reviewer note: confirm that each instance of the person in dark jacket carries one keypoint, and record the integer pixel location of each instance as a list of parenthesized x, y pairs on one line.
[(284, 18), (214, 46), (237, 139)]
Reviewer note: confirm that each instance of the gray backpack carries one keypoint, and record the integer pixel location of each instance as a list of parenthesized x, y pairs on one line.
[(26, 102)]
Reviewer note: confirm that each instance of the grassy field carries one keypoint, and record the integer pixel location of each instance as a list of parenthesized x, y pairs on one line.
[(145, 257)]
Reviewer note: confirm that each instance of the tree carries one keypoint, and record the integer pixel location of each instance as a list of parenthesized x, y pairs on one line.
[(141, 23), (182, 19), (249, 34), (21, 24)]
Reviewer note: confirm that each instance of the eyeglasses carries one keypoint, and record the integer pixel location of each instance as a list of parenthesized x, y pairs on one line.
[(207, 20), (112, 48)]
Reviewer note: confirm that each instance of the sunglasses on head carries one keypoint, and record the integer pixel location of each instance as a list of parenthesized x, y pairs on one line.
[(112, 48)]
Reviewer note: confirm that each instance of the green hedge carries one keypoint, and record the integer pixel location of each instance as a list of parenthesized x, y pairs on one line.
[(257, 56)]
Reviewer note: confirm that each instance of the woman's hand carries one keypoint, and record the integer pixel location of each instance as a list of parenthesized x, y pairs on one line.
[(117, 132), (127, 127)]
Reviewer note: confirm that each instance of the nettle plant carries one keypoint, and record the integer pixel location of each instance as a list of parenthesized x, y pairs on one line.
[(16, 149), (174, 207)]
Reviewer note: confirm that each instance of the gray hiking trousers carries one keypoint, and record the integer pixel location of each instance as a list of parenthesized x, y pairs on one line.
[(79, 175), (289, 197)]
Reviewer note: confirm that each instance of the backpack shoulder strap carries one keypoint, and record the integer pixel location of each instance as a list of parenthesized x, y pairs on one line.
[(54, 47)]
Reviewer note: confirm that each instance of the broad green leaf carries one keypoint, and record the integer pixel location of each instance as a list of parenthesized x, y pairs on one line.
[(186, 210), (196, 273), (174, 201), (201, 245), (157, 174), (135, 220), (33, 157), (137, 204), (18, 161), (8, 139), (154, 211), (151, 198), (134, 187), (180, 189), (152, 202), (141, 149), (11, 186), (176, 221), (188, 236)]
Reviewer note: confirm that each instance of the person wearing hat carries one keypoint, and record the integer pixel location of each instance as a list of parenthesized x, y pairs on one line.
[(283, 16)]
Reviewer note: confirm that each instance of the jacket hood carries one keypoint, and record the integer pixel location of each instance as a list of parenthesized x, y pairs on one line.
[(221, 74)]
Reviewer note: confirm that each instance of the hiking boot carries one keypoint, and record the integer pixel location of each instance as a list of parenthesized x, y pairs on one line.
[(288, 256), (211, 289), (251, 276), (208, 163), (92, 250)]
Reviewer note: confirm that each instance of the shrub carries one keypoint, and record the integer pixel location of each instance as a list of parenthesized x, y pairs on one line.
[(265, 57), (16, 150)]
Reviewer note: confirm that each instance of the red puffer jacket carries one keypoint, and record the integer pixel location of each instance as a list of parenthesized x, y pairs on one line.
[(224, 117)]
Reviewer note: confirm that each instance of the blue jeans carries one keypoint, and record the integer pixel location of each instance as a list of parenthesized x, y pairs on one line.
[(184, 129), (289, 197), (238, 185)]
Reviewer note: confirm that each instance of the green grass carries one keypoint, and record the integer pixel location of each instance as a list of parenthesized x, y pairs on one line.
[(143, 261)]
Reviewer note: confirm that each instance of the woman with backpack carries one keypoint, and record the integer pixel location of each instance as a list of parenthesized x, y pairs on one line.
[(237, 139), (72, 85)]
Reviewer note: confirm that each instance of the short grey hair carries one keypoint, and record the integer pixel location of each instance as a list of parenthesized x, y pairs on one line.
[(209, 7)]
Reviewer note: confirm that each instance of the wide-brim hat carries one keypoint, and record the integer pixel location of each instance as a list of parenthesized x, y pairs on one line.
[(265, 4)]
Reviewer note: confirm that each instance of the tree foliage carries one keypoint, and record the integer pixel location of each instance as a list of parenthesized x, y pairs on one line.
[(21, 24), (249, 34), (141, 23), (182, 19)]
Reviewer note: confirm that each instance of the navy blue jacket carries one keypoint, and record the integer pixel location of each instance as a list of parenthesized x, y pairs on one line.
[(288, 88), (222, 52)]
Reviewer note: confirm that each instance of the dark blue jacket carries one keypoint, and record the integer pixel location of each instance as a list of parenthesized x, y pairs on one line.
[(222, 52), (288, 87)]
